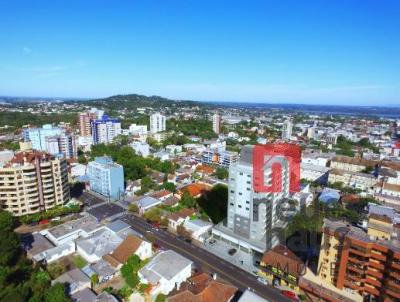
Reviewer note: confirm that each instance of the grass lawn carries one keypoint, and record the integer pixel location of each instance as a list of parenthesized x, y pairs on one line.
[(79, 261)]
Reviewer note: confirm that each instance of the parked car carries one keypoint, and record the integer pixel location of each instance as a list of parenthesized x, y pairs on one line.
[(262, 280), (232, 252), (291, 295)]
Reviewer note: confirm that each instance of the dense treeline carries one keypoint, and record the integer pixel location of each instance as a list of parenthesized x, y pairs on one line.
[(197, 127), (18, 119), (20, 280)]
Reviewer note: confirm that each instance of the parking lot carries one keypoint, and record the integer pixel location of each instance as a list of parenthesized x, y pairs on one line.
[(89, 200), (230, 253), (106, 211)]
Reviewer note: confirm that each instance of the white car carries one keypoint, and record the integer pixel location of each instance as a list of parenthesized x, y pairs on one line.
[(262, 280)]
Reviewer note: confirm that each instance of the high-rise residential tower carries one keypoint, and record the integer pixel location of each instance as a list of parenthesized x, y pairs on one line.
[(216, 120), (106, 177), (32, 182), (287, 129), (253, 217), (157, 123), (104, 130)]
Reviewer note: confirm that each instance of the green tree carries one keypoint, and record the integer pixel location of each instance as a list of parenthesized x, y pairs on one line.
[(221, 173), (57, 293), (129, 271), (160, 298), (187, 200), (153, 215), (10, 244), (94, 280), (133, 207), (169, 186)]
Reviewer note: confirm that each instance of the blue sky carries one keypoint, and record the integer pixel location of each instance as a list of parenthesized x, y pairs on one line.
[(318, 52)]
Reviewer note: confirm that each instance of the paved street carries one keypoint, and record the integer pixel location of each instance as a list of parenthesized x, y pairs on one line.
[(206, 260)]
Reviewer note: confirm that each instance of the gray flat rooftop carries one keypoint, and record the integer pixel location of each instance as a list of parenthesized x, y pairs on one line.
[(165, 265), (87, 224)]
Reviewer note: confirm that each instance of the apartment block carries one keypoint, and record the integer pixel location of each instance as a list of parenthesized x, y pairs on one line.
[(32, 182), (106, 177), (104, 130), (224, 158), (252, 216), (85, 120), (363, 262), (216, 122), (157, 123)]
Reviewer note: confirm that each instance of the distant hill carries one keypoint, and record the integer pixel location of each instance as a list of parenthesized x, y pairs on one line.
[(133, 101)]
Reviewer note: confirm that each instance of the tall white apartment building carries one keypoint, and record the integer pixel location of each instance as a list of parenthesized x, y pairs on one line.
[(157, 123), (253, 217), (216, 120), (287, 129)]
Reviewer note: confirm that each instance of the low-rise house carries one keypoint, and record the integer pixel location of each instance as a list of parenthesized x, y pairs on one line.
[(35, 244), (55, 253), (75, 279), (132, 245), (84, 295), (391, 190), (205, 170), (329, 196), (249, 296), (195, 190), (133, 187), (203, 288), (280, 266), (71, 230), (178, 218), (199, 229), (94, 247), (104, 270), (162, 195), (165, 272), (157, 177), (147, 203)]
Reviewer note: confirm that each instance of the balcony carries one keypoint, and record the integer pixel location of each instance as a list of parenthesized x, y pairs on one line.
[(362, 253), (395, 283), (375, 273), (371, 290), (393, 293), (356, 269), (376, 264), (373, 281), (378, 255)]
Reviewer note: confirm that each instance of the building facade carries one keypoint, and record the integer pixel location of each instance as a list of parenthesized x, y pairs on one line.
[(287, 129), (32, 182), (157, 123), (106, 178), (253, 217), (216, 120), (104, 130), (363, 262)]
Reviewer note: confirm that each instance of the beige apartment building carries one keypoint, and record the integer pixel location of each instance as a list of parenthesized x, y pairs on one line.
[(32, 182)]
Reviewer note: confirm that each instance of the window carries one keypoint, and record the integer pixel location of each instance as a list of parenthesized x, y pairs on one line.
[(239, 206), (247, 209)]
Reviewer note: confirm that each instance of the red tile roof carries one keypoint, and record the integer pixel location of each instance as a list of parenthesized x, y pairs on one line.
[(202, 288)]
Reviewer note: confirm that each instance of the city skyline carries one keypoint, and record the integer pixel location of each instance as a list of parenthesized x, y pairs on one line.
[(314, 53)]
